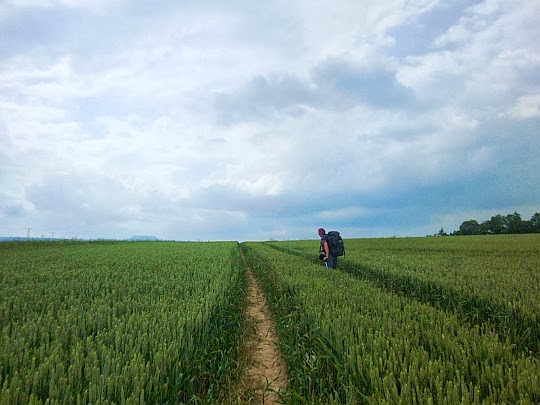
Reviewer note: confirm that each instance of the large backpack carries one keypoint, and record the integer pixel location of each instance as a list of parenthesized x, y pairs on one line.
[(335, 243)]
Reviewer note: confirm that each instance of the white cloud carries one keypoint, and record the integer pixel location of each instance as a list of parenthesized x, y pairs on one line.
[(526, 107), (482, 60), (343, 213), (251, 120)]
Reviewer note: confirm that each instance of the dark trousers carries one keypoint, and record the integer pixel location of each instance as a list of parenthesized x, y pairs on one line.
[(331, 262)]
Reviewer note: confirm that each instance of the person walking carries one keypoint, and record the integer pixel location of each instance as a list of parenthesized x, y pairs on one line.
[(327, 255)]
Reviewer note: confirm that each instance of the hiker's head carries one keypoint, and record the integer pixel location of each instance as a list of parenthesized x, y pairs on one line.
[(321, 231)]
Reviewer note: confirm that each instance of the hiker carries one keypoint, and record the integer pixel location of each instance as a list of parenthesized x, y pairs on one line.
[(329, 259)]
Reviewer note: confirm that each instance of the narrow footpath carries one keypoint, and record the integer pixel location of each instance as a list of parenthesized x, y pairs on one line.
[(266, 374)]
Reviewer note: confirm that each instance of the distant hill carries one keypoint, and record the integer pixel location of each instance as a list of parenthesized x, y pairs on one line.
[(143, 238), (24, 238), (12, 238)]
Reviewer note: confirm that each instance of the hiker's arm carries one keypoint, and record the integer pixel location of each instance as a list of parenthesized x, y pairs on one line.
[(326, 250)]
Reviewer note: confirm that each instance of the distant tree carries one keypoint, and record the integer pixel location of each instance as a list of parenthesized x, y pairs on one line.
[(442, 233), (470, 227), (534, 223), (513, 223), (496, 225)]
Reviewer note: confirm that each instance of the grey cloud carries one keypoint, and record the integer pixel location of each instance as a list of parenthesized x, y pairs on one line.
[(261, 96), (377, 87), (54, 29), (227, 197), (134, 114), (335, 84), (83, 197), (13, 210)]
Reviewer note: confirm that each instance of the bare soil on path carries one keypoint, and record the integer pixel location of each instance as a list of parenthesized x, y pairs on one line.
[(266, 374)]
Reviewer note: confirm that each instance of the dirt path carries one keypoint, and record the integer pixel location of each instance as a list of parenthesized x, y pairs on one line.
[(266, 374)]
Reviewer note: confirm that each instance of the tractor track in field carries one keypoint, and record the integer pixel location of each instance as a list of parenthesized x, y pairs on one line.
[(265, 376)]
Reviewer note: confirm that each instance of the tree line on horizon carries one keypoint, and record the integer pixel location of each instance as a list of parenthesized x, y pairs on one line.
[(498, 224)]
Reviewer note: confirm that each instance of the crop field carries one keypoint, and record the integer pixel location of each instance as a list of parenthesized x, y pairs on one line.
[(124, 323), (419, 320), (449, 320)]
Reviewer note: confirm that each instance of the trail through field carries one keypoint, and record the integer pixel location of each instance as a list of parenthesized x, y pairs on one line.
[(266, 374)]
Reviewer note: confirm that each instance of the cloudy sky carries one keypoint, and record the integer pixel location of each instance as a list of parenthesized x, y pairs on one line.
[(237, 120)]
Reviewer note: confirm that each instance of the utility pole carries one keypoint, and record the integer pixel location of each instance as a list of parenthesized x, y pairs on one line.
[(28, 237)]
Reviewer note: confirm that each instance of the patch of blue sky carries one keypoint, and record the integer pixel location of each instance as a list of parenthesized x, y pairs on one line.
[(417, 36)]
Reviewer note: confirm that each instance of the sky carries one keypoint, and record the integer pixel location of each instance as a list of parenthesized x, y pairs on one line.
[(236, 120)]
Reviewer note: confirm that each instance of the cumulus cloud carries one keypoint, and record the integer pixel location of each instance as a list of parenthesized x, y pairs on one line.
[(232, 121), (527, 106)]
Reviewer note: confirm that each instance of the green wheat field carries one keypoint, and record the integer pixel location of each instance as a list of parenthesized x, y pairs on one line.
[(438, 320)]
